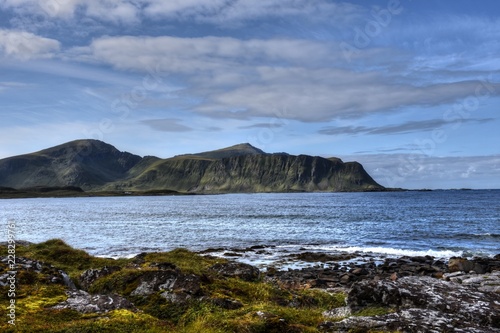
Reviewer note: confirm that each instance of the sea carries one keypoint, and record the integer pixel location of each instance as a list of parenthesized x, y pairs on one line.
[(441, 224)]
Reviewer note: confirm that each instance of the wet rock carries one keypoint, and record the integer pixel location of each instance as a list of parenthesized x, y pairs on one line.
[(465, 265), (359, 271), (88, 277), (139, 259), (84, 302), (237, 270), (323, 257)]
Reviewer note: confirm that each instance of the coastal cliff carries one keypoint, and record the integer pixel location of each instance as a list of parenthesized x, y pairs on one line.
[(96, 166)]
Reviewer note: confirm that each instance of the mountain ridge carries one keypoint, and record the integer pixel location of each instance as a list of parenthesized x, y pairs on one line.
[(97, 166)]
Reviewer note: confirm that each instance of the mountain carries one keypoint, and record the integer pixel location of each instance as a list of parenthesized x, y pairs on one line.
[(87, 164), (236, 150), (97, 166)]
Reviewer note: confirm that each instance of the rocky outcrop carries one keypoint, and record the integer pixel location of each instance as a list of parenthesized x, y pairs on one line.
[(345, 269), (346, 273), (237, 270), (421, 304), (88, 277), (84, 302), (175, 286), (476, 265), (489, 282), (30, 271)]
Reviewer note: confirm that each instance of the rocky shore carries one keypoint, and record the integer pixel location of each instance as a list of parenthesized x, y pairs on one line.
[(183, 291)]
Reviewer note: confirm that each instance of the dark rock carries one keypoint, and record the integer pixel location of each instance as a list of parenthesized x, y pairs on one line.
[(18, 242), (344, 279), (323, 257), (30, 271), (84, 302), (88, 277), (140, 258), (422, 304), (163, 265), (359, 271), (171, 281), (237, 270), (484, 282), (465, 265)]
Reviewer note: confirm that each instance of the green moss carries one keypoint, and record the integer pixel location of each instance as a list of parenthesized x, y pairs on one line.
[(63, 256), (185, 260), (121, 282), (373, 311), (323, 299), (266, 307)]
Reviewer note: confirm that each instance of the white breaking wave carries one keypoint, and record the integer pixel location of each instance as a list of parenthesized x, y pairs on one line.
[(388, 251)]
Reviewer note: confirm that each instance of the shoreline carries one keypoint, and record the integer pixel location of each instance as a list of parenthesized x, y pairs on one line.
[(172, 289), (76, 192)]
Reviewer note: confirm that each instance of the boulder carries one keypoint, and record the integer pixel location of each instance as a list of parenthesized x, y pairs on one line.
[(237, 270), (483, 282), (176, 286), (84, 302), (88, 277), (465, 265)]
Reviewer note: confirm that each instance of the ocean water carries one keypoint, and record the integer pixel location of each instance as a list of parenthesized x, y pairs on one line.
[(437, 223)]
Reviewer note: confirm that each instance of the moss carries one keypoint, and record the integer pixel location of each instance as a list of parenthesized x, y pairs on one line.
[(373, 311), (284, 310), (121, 282), (323, 299), (57, 253), (244, 291), (187, 261)]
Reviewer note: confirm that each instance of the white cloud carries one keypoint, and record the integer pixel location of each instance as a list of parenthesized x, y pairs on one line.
[(206, 11), (416, 171), (251, 78), (105, 10), (236, 11), (25, 45)]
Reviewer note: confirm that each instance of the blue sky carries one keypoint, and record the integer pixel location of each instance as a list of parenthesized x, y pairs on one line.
[(411, 89)]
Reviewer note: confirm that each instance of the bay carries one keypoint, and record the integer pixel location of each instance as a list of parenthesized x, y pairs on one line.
[(437, 223)]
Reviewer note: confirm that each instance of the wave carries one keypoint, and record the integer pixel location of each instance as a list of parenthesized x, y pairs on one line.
[(390, 251), (476, 236)]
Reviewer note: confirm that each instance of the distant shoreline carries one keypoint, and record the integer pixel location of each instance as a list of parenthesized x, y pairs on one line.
[(76, 192)]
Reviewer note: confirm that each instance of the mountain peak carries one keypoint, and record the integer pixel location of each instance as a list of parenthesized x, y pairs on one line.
[(245, 147), (241, 149)]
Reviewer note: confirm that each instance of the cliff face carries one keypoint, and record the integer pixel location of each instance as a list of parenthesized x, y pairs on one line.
[(94, 165), (251, 173)]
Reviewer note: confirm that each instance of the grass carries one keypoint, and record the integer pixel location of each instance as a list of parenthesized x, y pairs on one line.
[(373, 311), (264, 307)]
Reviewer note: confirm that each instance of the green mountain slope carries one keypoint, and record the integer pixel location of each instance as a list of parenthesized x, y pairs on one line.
[(97, 166), (84, 163)]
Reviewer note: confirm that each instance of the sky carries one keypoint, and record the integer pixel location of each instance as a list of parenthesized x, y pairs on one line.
[(410, 89)]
